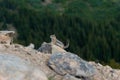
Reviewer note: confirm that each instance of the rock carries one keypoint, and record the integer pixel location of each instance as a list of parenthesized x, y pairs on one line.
[(69, 77), (57, 49), (6, 37), (45, 48), (15, 68), (30, 49), (68, 63), (50, 48), (54, 46), (26, 63), (31, 45), (17, 46), (105, 72)]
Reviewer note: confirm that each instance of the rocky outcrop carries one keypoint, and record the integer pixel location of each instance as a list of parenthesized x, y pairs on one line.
[(70, 77), (18, 62), (105, 72), (6, 37), (50, 48), (53, 47), (15, 68), (31, 45), (45, 48), (68, 63)]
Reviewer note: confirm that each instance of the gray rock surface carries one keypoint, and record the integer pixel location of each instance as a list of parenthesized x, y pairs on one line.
[(57, 49), (68, 63), (31, 45), (105, 72), (45, 48), (69, 77), (15, 68)]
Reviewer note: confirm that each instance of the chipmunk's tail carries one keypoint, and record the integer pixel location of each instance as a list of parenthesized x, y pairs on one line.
[(67, 44)]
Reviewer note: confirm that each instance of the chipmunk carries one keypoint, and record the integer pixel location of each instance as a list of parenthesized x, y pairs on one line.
[(57, 42)]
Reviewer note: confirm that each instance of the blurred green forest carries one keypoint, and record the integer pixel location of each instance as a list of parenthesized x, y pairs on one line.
[(92, 26)]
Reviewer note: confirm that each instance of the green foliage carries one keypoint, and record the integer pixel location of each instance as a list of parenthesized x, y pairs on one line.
[(51, 78), (114, 64), (92, 26)]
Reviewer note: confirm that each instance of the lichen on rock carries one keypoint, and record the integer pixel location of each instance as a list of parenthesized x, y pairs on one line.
[(69, 63)]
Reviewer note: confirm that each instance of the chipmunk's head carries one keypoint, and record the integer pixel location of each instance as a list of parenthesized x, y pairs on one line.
[(52, 36)]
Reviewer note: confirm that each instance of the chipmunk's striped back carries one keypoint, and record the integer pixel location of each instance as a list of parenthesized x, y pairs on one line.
[(57, 42)]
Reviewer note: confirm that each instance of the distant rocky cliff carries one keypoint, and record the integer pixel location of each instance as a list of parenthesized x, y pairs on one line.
[(49, 62)]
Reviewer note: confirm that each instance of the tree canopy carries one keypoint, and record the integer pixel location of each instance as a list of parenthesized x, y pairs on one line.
[(92, 26)]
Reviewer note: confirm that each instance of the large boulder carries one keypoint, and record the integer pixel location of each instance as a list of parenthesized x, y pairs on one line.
[(14, 68), (68, 63)]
